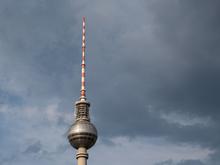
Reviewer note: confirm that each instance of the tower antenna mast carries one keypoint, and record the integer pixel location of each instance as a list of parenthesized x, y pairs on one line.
[(83, 65)]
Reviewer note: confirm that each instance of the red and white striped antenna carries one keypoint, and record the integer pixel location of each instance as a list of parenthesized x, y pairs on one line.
[(83, 65)]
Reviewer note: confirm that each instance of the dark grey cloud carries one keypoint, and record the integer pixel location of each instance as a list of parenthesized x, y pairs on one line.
[(191, 162), (36, 147), (32, 41), (191, 32), (182, 162), (173, 68), (166, 162)]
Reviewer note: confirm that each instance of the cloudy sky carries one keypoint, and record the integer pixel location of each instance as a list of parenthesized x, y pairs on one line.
[(153, 80)]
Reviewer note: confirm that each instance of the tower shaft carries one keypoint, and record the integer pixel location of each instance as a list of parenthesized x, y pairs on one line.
[(82, 156)]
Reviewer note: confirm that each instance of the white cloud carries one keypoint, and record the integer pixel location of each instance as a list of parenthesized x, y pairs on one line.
[(144, 150), (186, 119)]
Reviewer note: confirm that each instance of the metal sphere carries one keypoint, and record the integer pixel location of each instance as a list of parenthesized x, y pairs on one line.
[(82, 134)]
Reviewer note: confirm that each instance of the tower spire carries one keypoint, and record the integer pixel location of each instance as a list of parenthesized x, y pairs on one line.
[(83, 65)]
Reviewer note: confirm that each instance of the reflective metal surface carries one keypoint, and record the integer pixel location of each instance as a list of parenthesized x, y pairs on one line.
[(82, 134)]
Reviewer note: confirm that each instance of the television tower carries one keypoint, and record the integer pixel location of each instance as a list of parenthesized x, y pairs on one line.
[(82, 134)]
